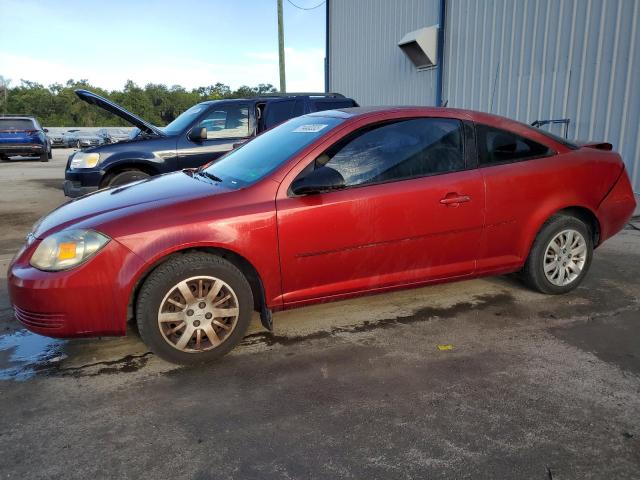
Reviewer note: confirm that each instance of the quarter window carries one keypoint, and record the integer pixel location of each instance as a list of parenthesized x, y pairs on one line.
[(499, 146), (227, 122), (397, 151)]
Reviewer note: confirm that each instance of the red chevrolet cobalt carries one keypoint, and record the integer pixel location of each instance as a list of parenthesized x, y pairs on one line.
[(325, 206)]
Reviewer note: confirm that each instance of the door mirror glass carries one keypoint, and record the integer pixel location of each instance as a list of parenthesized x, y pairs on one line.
[(198, 134), (322, 179)]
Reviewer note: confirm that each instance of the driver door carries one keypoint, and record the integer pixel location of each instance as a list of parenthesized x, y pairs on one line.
[(412, 210), (227, 126)]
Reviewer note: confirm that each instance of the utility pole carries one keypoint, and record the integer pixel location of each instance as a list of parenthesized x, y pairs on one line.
[(283, 81)]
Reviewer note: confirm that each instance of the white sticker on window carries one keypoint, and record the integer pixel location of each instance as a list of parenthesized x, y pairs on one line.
[(310, 128)]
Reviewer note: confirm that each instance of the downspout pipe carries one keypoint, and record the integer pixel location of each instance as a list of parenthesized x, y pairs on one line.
[(326, 50), (440, 52)]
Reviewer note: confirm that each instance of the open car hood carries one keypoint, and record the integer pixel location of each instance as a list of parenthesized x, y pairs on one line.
[(109, 106)]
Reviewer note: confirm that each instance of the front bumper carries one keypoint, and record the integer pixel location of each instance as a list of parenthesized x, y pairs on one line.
[(75, 189), (81, 182), (24, 149), (89, 300)]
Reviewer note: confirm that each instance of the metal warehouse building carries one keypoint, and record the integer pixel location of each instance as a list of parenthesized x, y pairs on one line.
[(571, 60)]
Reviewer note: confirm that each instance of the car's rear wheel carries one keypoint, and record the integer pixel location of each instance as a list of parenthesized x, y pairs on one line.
[(128, 176), (194, 308), (560, 256)]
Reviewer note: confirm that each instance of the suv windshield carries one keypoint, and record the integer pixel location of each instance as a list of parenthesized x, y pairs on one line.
[(265, 153), (184, 120), (16, 124)]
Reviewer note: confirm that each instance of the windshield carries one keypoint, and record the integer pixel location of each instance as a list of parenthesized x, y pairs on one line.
[(16, 124), (184, 120), (265, 153)]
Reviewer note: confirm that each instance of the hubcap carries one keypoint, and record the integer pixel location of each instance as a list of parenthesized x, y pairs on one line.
[(565, 257), (198, 314)]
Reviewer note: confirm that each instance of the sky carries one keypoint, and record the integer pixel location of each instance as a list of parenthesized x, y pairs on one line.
[(187, 42)]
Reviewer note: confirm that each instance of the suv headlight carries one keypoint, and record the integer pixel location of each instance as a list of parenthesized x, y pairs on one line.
[(85, 160), (67, 249)]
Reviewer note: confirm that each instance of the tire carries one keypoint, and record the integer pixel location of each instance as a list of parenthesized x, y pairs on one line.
[(128, 176), (571, 264), (50, 153), (160, 288), (44, 157)]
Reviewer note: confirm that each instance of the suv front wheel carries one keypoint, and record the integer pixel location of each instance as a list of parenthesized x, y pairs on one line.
[(125, 177)]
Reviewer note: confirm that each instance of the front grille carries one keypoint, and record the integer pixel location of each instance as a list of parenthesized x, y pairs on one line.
[(39, 320)]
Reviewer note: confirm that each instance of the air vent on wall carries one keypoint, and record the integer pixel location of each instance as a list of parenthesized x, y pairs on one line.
[(421, 46)]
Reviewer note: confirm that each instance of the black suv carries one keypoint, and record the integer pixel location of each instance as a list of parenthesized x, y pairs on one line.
[(201, 134)]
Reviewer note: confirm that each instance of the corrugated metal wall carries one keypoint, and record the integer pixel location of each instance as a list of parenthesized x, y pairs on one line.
[(524, 59), (543, 59), (364, 59)]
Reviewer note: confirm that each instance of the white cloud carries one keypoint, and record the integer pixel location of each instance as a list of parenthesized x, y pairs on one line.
[(305, 70)]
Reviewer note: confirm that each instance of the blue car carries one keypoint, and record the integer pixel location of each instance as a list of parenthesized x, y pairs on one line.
[(23, 136)]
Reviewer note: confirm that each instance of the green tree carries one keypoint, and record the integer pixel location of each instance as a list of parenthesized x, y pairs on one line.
[(58, 105)]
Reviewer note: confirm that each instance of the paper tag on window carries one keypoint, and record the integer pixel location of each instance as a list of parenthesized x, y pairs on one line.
[(310, 128)]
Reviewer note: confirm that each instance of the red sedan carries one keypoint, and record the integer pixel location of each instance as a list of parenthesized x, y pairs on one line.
[(325, 206)]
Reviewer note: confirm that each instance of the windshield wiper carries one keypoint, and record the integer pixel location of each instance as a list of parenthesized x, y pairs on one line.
[(210, 176)]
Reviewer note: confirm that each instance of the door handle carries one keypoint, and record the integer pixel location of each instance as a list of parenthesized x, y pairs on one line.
[(455, 199)]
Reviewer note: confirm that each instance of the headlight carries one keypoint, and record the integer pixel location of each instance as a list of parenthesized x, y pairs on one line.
[(85, 160), (66, 249)]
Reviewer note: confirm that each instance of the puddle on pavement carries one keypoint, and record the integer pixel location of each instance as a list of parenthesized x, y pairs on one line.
[(23, 354)]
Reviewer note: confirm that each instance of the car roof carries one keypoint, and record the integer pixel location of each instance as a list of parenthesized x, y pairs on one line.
[(445, 112)]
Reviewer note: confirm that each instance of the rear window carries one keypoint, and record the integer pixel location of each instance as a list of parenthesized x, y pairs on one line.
[(16, 124)]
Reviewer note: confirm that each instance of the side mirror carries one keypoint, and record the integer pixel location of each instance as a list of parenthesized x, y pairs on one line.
[(198, 134), (323, 179), (45, 130)]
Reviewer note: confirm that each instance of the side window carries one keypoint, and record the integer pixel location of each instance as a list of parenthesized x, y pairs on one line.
[(499, 146), (396, 151), (231, 121), (321, 105), (278, 112)]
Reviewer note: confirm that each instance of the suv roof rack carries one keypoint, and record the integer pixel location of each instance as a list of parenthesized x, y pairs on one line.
[(304, 94)]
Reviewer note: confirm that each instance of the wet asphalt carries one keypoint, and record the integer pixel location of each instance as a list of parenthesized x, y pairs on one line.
[(531, 386)]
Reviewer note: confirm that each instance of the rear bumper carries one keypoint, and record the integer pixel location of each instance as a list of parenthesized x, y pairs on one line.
[(617, 207), (22, 148)]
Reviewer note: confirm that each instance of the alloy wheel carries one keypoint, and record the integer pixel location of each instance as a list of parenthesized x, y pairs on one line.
[(198, 314), (565, 257)]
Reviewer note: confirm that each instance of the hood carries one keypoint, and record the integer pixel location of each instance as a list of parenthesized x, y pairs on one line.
[(115, 203), (116, 109)]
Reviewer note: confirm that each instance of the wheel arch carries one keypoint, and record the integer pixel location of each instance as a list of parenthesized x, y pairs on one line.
[(125, 165), (244, 265), (586, 214)]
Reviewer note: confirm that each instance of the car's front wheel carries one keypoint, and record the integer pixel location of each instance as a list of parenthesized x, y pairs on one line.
[(44, 157), (194, 308), (125, 177), (560, 256)]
